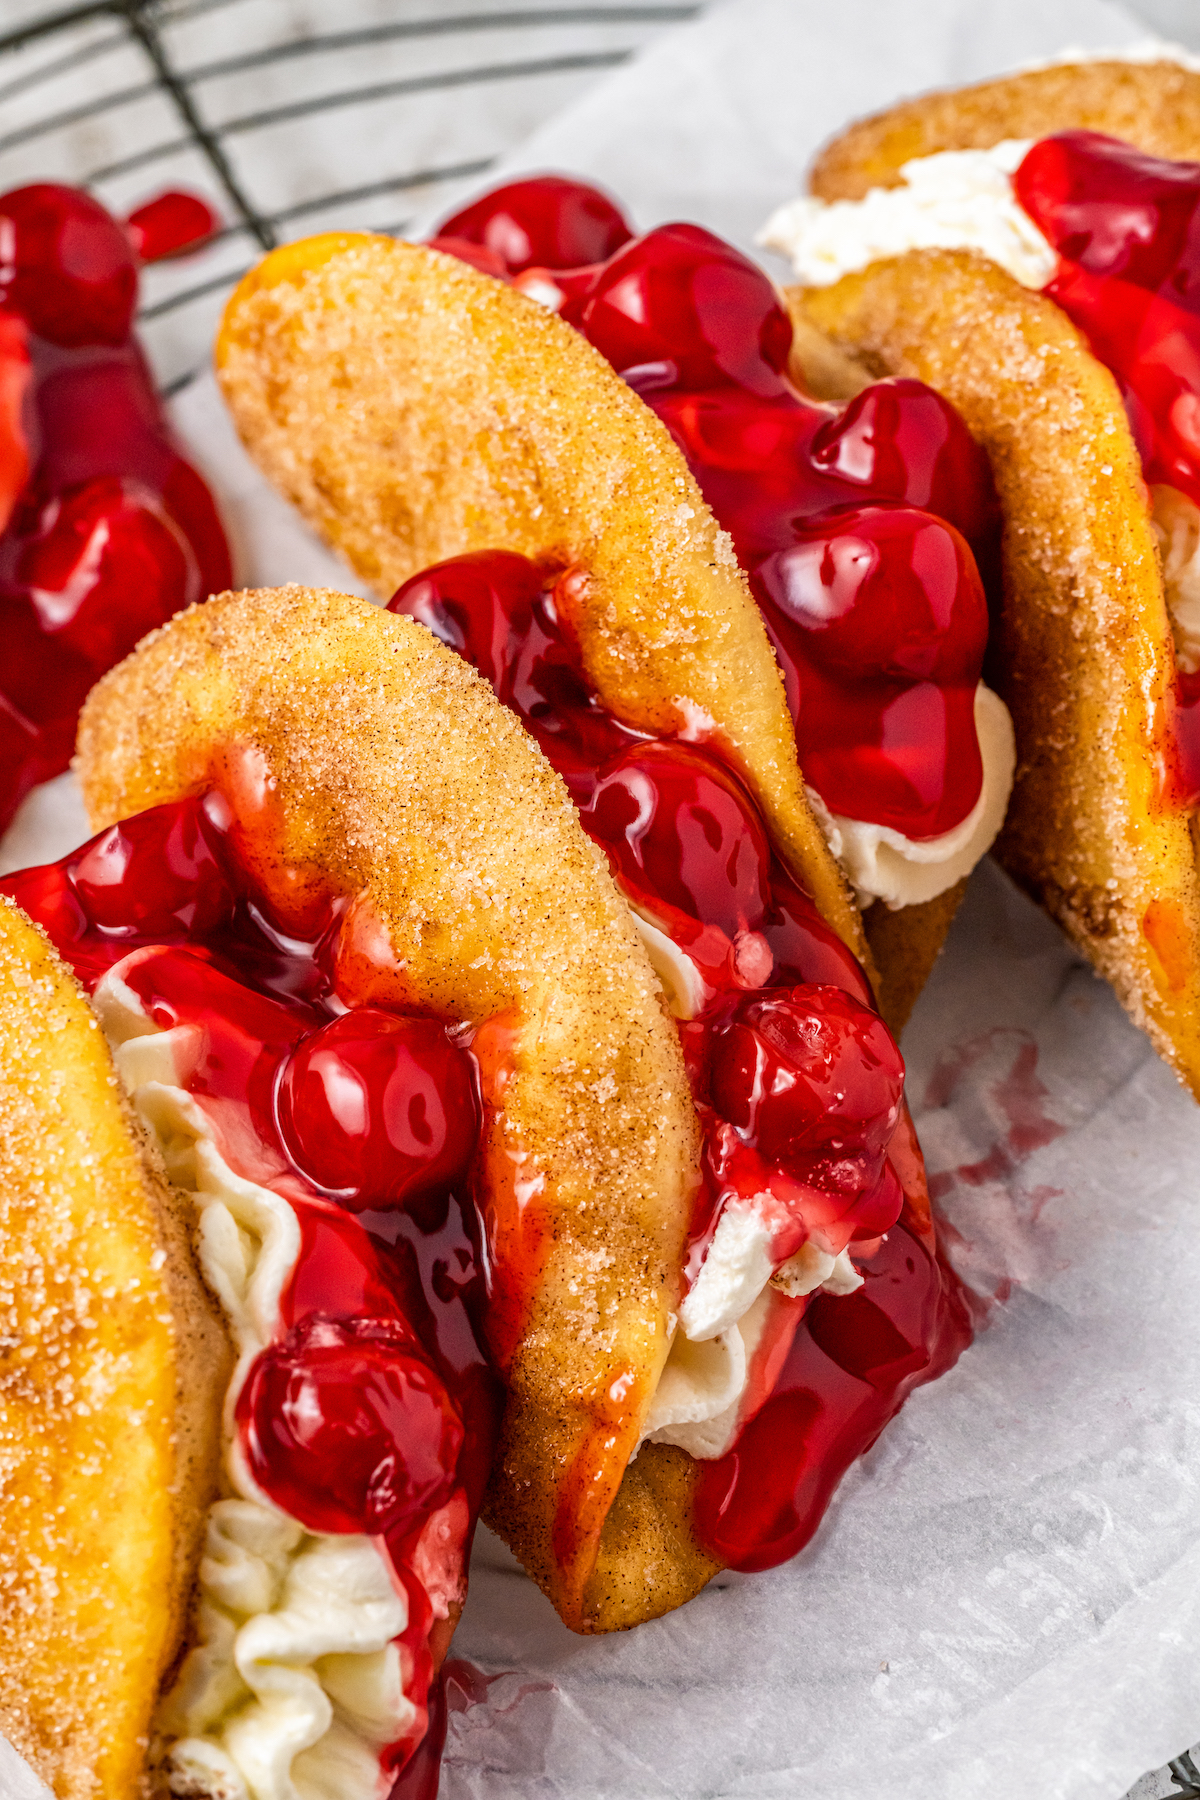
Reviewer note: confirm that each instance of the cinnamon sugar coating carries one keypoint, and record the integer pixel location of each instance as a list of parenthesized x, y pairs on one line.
[(1153, 105), (1083, 650), (374, 763), (414, 409), (113, 1363)]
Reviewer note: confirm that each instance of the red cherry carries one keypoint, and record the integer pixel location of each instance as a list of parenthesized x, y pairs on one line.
[(806, 1073), (246, 1034), (480, 605), (16, 373), (678, 826), (1127, 230), (102, 567), (105, 566), (161, 873), (546, 220), (347, 1427), (66, 266), (48, 895), (804, 949), (879, 592), (492, 607), (901, 441), (1113, 210), (187, 501), (379, 1108), (679, 308), (169, 223)]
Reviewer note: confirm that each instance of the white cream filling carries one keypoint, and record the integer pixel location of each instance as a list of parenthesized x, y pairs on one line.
[(682, 984), (1146, 50), (954, 200), (882, 864), (294, 1685), (697, 1403), (1176, 521), (703, 1390), (739, 1265)]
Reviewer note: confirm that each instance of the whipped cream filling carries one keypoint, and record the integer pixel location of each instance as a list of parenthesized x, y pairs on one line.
[(295, 1682), (1146, 50), (720, 1367), (714, 1372), (954, 200), (882, 864)]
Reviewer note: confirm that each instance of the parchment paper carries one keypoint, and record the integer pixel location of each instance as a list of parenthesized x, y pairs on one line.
[(1004, 1599)]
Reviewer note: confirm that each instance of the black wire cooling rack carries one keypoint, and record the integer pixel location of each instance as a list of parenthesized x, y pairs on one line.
[(290, 115)]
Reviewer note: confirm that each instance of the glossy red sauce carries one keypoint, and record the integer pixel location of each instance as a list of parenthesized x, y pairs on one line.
[(852, 1364), (797, 1081), (855, 526), (1127, 232), (1126, 227), (375, 1409), (170, 223), (1187, 739), (105, 531)]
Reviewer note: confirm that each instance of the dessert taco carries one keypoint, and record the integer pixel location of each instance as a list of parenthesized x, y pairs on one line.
[(1027, 247), (371, 993), (416, 409), (414, 406)]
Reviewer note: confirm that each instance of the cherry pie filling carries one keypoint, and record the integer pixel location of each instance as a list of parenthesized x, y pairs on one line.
[(375, 1409), (105, 530), (858, 527), (1126, 228), (797, 1082)]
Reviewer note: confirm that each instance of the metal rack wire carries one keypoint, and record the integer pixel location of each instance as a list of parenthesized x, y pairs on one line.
[(285, 124)]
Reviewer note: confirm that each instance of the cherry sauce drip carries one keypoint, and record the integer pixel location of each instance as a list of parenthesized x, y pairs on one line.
[(797, 1082), (1126, 227), (376, 1409), (856, 528), (105, 531)]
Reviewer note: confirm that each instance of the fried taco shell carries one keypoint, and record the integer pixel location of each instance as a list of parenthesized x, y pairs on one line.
[(414, 409), (112, 1371), (366, 760), (1155, 105), (1083, 652)]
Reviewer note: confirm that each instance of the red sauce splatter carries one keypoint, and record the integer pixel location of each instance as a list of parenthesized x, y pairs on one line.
[(170, 223), (1020, 1096), (107, 531), (854, 525)]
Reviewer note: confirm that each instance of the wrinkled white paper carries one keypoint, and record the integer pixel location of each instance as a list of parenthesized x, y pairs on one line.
[(1004, 1599)]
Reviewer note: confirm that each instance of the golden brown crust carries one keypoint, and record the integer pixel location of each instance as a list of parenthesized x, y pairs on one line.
[(389, 773), (414, 409), (906, 944), (1153, 105), (650, 1559), (1084, 646), (113, 1364)]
